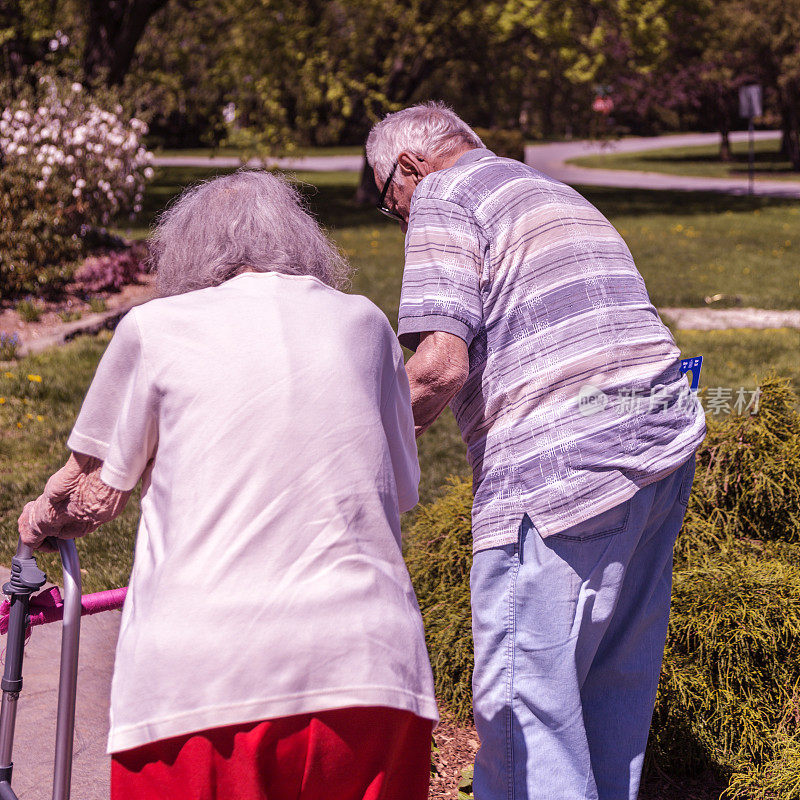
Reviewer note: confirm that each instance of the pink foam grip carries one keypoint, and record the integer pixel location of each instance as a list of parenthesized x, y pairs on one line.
[(48, 606)]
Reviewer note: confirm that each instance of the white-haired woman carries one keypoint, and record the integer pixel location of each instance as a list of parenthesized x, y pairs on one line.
[(270, 644)]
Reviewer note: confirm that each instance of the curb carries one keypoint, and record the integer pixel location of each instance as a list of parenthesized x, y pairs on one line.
[(93, 323)]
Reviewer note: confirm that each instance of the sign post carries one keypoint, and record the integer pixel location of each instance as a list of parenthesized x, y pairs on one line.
[(750, 107)]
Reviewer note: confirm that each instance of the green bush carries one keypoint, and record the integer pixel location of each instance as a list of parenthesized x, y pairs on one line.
[(778, 779), (72, 161), (37, 237), (747, 484), (28, 311), (731, 664), (439, 558), (509, 144), (728, 697)]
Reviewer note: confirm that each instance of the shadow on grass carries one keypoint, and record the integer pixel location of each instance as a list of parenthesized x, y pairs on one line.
[(331, 198), (641, 202)]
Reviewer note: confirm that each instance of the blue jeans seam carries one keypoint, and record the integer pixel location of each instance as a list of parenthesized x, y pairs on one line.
[(512, 635), (610, 532)]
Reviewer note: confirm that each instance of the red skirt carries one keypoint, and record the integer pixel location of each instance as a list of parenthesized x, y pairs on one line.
[(344, 754)]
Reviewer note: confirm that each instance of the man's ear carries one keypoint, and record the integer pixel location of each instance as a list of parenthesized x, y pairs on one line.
[(413, 166)]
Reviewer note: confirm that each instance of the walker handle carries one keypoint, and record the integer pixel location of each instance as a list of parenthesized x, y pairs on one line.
[(27, 578)]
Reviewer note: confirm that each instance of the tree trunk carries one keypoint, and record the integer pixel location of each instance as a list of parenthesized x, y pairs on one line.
[(792, 139), (367, 193), (725, 144), (115, 28), (791, 131)]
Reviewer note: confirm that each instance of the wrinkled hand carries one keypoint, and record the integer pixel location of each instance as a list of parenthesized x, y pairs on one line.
[(74, 502)]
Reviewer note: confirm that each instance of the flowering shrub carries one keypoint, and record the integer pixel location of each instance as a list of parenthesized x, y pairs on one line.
[(109, 272), (37, 239), (78, 166)]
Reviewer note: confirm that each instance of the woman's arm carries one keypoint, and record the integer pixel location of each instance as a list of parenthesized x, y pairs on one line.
[(74, 502)]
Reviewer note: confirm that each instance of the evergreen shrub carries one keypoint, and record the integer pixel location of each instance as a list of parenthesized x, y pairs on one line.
[(439, 557), (729, 696), (747, 484)]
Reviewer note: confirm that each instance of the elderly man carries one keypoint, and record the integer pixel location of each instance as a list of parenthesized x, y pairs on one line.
[(270, 644), (529, 318)]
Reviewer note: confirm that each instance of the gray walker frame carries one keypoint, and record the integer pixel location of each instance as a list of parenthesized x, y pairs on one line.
[(27, 578)]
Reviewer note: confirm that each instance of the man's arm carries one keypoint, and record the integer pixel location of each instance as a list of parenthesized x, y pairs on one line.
[(436, 372), (74, 502)]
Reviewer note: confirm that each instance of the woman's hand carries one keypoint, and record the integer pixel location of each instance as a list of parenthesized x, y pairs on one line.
[(74, 502)]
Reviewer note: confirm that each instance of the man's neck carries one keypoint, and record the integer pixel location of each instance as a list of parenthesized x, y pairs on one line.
[(448, 161)]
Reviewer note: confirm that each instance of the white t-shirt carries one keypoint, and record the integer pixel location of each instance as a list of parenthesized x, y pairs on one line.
[(270, 419)]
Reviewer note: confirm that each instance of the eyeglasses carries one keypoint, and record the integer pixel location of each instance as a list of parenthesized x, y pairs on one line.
[(382, 207)]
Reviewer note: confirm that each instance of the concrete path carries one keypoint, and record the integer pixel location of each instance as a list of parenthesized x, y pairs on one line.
[(551, 159), (713, 319), (34, 741)]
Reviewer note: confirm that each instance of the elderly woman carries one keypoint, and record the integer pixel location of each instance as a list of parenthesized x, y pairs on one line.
[(271, 644)]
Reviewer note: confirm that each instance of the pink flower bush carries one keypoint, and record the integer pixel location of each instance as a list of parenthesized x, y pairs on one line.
[(109, 272), (85, 158)]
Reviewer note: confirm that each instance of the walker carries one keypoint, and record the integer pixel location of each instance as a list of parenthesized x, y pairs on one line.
[(27, 578)]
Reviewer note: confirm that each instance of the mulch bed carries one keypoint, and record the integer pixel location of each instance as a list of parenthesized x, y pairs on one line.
[(457, 743), (69, 307)]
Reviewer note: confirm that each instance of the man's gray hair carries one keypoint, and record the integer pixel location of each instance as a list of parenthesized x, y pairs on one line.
[(250, 220), (430, 130)]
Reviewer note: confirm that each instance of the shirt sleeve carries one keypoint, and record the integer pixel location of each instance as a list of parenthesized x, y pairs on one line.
[(441, 280), (118, 421), (398, 424)]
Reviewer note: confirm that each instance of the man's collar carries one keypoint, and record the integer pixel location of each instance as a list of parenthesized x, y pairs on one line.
[(471, 156)]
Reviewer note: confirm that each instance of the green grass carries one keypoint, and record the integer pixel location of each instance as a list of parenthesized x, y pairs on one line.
[(689, 246), (30, 453), (700, 161), (35, 419), (739, 357)]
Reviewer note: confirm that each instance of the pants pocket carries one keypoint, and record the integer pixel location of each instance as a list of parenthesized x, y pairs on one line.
[(607, 523)]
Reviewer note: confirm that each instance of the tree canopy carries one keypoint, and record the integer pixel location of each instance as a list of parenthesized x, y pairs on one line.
[(319, 72)]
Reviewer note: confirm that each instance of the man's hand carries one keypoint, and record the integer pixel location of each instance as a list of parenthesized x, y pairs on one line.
[(435, 373), (74, 502)]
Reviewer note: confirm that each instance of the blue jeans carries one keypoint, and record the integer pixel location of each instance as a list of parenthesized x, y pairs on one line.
[(569, 636)]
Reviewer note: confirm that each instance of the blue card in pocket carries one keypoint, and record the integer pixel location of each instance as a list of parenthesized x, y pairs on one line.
[(693, 365)]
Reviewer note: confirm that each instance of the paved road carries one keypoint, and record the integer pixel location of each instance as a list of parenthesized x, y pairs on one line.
[(550, 159)]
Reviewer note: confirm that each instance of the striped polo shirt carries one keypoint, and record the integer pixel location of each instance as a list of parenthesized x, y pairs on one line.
[(574, 400)]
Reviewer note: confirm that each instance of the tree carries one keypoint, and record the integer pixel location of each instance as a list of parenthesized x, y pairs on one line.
[(26, 31), (113, 30), (766, 35)]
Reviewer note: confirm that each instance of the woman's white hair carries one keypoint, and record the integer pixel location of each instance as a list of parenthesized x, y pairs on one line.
[(430, 130), (250, 220)]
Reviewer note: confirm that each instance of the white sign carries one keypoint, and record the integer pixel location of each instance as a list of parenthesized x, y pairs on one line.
[(750, 101)]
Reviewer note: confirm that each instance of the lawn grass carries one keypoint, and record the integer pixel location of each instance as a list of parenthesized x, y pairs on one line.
[(30, 453), (35, 419), (700, 161), (688, 246)]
